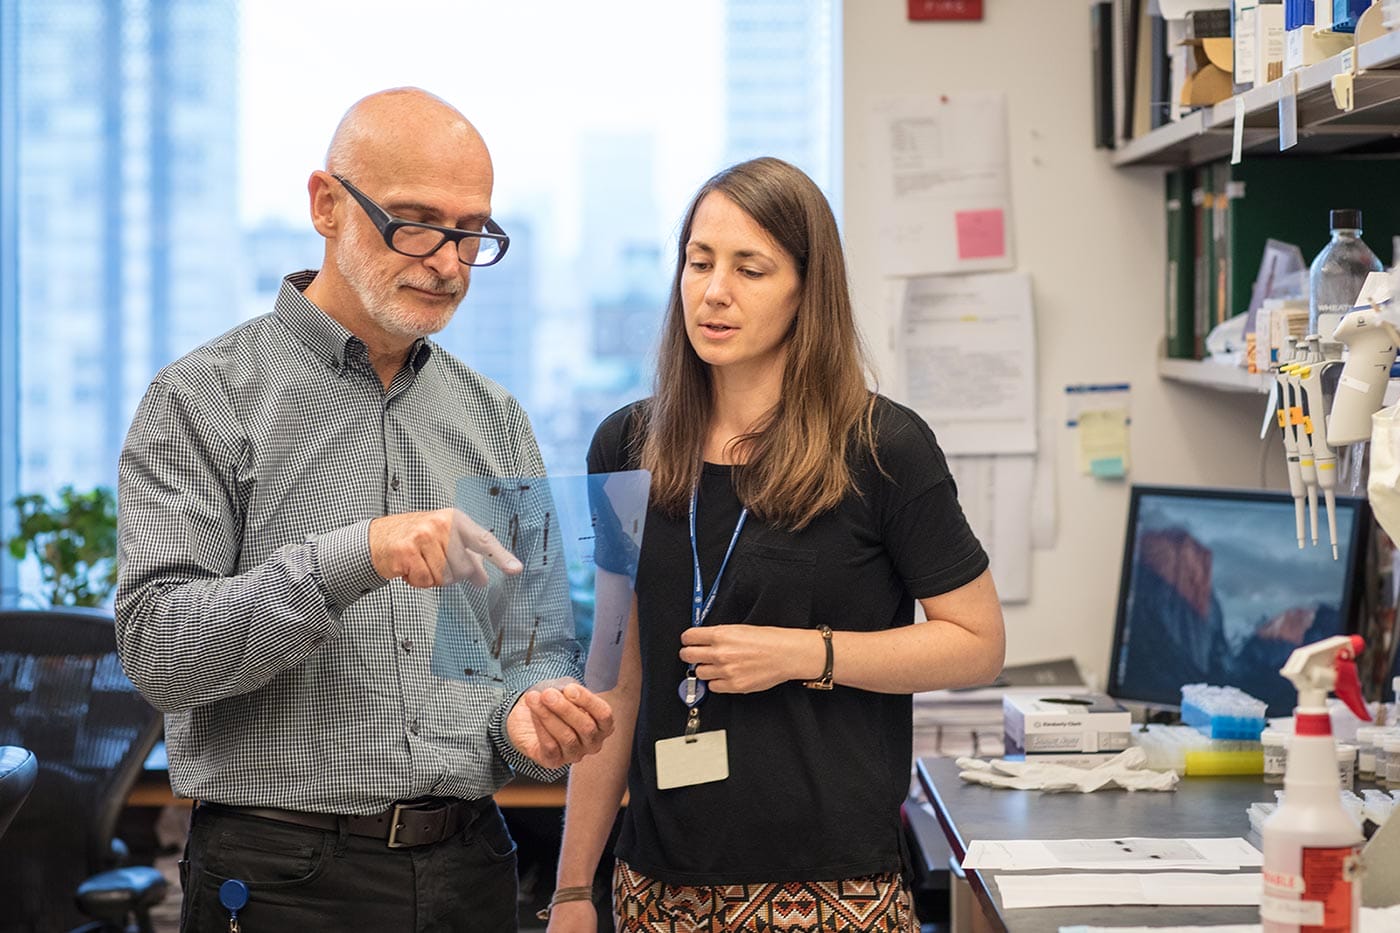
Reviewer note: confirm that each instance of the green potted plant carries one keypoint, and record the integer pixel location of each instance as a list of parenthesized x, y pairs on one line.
[(74, 539)]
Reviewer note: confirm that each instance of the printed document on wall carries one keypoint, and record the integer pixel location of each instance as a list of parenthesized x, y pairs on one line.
[(967, 358), (996, 496), (940, 169)]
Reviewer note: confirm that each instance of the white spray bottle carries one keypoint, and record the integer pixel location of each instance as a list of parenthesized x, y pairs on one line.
[(1312, 845)]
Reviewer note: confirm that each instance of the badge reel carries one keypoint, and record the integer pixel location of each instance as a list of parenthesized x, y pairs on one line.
[(695, 757)]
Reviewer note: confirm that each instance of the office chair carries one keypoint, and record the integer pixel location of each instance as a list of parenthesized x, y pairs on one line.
[(18, 768), (64, 696)]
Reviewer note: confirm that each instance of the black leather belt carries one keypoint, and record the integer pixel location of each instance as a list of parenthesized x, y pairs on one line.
[(405, 824)]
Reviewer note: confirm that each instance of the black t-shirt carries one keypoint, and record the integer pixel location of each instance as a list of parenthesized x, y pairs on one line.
[(816, 778)]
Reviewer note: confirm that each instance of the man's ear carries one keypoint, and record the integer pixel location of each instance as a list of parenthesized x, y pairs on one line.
[(323, 202)]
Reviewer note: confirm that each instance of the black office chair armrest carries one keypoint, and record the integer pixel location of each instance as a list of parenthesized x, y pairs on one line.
[(114, 895), (18, 769)]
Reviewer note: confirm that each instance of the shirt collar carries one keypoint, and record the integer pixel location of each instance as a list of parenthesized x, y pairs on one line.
[(322, 334)]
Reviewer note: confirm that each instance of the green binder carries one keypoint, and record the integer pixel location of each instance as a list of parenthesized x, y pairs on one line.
[(1181, 257), (1203, 260)]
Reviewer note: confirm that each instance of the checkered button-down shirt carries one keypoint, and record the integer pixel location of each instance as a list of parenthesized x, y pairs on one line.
[(291, 673)]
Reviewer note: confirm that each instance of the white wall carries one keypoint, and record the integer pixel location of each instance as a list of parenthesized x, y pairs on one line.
[(1091, 237)]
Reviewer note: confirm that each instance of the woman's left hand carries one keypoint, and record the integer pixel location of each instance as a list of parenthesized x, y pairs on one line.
[(751, 658)]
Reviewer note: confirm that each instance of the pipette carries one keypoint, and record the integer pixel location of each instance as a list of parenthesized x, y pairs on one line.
[(1371, 344), (1314, 377), (1297, 414), (1290, 444)]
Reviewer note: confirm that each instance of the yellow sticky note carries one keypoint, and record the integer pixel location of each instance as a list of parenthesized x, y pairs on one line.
[(1103, 442)]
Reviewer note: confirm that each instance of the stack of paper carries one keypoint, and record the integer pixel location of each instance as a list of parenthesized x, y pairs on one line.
[(969, 722), (1121, 854), (1121, 871)]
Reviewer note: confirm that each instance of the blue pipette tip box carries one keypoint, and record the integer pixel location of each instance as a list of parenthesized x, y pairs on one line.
[(1223, 712)]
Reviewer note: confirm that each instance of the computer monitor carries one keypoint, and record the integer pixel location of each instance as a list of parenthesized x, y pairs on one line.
[(1215, 590)]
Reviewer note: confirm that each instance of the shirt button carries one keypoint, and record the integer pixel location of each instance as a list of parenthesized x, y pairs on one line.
[(407, 644), (394, 483), (413, 726)]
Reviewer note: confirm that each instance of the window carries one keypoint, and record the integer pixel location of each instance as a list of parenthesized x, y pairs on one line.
[(162, 149)]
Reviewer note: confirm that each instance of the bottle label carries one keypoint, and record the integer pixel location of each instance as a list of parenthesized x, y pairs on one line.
[(1281, 910), (1322, 898)]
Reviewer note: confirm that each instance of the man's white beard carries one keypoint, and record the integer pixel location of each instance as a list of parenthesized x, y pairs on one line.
[(379, 298)]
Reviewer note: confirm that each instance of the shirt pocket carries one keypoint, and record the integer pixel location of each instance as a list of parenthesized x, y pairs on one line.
[(772, 585)]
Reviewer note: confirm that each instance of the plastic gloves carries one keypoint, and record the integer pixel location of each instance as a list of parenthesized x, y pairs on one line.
[(1124, 770)]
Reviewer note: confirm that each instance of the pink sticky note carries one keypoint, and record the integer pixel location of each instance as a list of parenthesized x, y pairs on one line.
[(981, 234)]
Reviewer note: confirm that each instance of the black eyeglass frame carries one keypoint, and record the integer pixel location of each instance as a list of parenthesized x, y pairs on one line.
[(387, 224)]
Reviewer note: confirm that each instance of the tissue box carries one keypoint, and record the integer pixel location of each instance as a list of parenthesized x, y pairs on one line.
[(1036, 724)]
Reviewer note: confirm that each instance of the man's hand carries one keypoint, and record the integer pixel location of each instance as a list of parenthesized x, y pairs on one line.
[(435, 548), (557, 725), (752, 658)]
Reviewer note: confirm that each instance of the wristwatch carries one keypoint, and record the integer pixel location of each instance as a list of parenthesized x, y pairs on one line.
[(824, 681)]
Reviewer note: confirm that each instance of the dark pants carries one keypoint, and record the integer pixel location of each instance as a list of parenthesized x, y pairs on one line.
[(302, 880)]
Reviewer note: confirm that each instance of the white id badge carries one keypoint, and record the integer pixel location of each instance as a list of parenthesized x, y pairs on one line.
[(698, 759)]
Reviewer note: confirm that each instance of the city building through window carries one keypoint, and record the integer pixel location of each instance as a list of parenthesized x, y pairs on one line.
[(153, 165)]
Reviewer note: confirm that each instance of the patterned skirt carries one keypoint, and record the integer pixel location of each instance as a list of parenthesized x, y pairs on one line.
[(873, 904)]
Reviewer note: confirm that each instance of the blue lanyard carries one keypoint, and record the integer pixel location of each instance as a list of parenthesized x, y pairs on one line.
[(701, 604), (692, 688)]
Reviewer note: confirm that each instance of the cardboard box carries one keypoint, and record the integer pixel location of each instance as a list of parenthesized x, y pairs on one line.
[(1210, 81), (1307, 45), (1034, 724)]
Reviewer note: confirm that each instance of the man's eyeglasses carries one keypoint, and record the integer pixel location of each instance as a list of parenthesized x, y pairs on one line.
[(411, 238)]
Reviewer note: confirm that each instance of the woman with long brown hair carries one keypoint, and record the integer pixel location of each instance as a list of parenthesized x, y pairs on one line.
[(763, 710)]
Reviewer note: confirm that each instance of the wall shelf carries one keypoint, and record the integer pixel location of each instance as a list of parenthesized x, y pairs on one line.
[(1220, 376), (1223, 377), (1207, 134)]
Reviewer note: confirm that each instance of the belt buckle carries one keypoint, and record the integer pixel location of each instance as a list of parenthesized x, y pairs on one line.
[(412, 806), (395, 826)]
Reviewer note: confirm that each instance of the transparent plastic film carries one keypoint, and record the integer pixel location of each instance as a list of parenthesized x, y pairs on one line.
[(564, 615)]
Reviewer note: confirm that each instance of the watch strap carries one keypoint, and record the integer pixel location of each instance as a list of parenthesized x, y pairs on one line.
[(823, 682)]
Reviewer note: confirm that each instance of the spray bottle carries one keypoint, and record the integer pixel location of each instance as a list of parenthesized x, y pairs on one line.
[(1312, 846)]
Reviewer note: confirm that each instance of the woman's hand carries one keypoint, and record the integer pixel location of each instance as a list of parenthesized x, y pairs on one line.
[(752, 658), (573, 917)]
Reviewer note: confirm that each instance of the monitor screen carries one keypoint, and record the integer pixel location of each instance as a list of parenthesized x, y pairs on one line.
[(1216, 590)]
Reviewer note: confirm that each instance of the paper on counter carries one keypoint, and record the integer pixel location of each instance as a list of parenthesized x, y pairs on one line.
[(1227, 928), (1098, 888), (1123, 854), (1373, 920)]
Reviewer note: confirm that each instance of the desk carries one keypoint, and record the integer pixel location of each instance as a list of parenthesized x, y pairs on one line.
[(152, 789), (1199, 807)]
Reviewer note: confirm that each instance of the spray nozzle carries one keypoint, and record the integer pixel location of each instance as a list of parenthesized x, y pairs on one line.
[(1325, 667)]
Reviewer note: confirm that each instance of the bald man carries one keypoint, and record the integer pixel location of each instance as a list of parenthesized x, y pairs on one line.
[(289, 549)]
